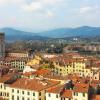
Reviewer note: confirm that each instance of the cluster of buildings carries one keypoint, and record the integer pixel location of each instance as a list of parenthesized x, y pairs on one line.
[(85, 47), (73, 63), (67, 76), (72, 77), (15, 62)]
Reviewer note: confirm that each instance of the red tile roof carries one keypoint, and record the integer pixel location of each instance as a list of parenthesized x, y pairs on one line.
[(4, 78), (56, 89), (81, 87), (1, 98), (95, 97), (33, 84), (42, 72)]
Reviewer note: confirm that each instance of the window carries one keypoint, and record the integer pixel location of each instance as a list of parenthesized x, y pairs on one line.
[(75, 99), (22, 92), (1, 94), (12, 97), (49, 95), (33, 94), (12, 90), (4, 94), (56, 96), (17, 91), (62, 98), (28, 93), (17, 97), (76, 94), (28, 98), (83, 94), (22, 98), (4, 86), (39, 93), (7, 94)]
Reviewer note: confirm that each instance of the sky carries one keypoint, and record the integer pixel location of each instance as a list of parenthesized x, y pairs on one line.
[(39, 15)]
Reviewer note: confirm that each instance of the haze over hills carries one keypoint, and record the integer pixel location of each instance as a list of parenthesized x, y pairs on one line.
[(84, 31), (14, 35)]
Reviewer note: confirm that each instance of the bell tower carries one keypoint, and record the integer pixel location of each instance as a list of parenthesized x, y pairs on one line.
[(2, 45)]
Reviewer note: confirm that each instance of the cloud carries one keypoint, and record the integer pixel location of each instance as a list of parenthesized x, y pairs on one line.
[(34, 6), (50, 14), (43, 7), (86, 9), (18, 3), (37, 5)]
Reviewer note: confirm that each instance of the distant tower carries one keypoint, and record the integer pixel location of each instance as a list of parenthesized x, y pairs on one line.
[(2, 45)]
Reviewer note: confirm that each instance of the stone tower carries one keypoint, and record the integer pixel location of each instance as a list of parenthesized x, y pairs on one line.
[(2, 45)]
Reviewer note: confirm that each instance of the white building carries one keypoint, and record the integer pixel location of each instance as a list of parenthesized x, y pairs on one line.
[(24, 88)]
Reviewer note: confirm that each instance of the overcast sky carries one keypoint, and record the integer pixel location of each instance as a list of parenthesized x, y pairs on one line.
[(39, 15)]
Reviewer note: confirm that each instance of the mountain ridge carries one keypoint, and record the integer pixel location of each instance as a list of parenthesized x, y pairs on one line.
[(83, 31), (12, 34)]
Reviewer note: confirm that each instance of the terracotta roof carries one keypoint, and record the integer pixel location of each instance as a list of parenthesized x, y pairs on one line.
[(81, 87), (4, 78), (96, 81), (67, 94), (1, 98), (5, 66), (76, 78), (93, 85), (56, 89), (42, 72), (95, 97), (55, 77), (33, 84), (8, 59)]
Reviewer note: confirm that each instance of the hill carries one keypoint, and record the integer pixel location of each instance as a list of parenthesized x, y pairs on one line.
[(15, 35), (84, 31)]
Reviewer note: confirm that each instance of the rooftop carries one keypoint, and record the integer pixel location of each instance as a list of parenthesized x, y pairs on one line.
[(4, 78), (56, 89), (42, 72), (95, 97), (33, 84), (81, 87)]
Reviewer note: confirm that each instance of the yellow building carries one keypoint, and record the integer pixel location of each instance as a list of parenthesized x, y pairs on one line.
[(34, 61), (65, 67)]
